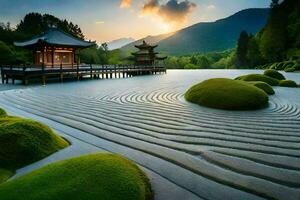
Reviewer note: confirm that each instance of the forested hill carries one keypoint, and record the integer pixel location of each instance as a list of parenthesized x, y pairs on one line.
[(215, 36), (280, 39)]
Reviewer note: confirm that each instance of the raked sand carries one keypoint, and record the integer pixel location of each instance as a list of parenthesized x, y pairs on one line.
[(189, 152)]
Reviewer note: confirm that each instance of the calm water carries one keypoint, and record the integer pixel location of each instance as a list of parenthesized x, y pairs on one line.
[(213, 153)]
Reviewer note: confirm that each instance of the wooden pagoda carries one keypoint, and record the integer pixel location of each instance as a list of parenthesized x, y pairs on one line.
[(55, 48), (146, 54)]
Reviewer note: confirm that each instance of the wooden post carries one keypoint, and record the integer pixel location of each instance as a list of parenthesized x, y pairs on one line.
[(77, 70), (2, 75), (52, 57), (106, 75), (91, 71), (116, 70), (61, 73)]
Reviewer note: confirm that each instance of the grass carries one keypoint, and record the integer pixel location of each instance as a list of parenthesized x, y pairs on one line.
[(227, 94), (263, 86), (96, 176), (274, 74), (259, 77), (23, 142), (288, 83)]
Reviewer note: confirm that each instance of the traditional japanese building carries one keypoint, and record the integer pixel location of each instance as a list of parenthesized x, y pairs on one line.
[(146, 54), (55, 48)]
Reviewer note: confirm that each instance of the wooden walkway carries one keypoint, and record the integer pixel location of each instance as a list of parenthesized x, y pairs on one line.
[(27, 73)]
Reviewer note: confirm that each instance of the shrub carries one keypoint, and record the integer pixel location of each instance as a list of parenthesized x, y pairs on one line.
[(288, 83), (24, 141), (2, 113), (96, 176), (296, 67), (263, 86), (274, 74), (259, 77), (227, 94)]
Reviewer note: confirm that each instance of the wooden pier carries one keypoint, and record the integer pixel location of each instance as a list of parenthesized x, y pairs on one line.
[(9, 74)]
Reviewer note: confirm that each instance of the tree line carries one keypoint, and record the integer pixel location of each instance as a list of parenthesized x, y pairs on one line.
[(34, 24)]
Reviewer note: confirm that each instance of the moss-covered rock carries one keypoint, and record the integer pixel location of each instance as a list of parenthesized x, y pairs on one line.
[(263, 86), (259, 77), (291, 69), (2, 113), (24, 141), (97, 176), (274, 74), (288, 83), (227, 94)]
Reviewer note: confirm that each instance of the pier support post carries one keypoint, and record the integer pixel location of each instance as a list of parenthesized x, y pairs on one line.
[(61, 73), (91, 71)]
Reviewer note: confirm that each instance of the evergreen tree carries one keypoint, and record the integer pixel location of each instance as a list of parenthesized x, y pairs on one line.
[(203, 63), (242, 49)]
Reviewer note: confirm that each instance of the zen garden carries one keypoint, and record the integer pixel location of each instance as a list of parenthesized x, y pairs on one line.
[(204, 103)]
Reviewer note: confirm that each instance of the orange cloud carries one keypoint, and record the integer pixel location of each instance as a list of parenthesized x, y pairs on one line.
[(125, 3), (174, 11)]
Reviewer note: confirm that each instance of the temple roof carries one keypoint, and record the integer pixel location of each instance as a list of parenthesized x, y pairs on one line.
[(55, 37), (145, 46)]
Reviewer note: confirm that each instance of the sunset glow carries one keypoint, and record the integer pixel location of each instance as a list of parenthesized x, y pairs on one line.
[(108, 20)]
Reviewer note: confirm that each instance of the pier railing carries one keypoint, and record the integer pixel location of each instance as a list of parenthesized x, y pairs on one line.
[(27, 72)]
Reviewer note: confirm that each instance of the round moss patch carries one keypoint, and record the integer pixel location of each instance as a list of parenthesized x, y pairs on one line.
[(96, 176), (2, 113), (274, 74), (263, 86), (25, 141), (259, 77), (227, 94), (288, 83)]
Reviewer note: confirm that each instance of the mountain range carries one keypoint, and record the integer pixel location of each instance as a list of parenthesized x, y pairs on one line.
[(116, 44), (208, 36)]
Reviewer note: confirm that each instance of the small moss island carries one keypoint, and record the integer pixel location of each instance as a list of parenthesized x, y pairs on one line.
[(23, 142), (274, 74), (262, 85), (259, 77), (227, 94), (96, 176), (288, 83)]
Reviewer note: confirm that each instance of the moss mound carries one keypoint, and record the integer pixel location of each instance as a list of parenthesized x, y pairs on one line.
[(274, 74), (97, 176), (227, 94), (288, 83), (2, 113), (24, 141), (262, 85), (292, 69), (259, 77)]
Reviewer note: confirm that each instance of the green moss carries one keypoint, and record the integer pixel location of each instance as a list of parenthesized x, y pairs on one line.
[(291, 69), (2, 113), (259, 77), (262, 85), (227, 94), (5, 174), (24, 141), (274, 74), (97, 176), (288, 83)]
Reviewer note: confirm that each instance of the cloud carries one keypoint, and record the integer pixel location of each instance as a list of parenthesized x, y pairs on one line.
[(211, 7), (173, 11), (99, 22), (125, 3)]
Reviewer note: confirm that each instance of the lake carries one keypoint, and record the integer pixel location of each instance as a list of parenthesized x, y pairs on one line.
[(209, 153)]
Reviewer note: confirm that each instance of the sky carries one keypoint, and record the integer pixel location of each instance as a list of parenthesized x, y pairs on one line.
[(107, 20)]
